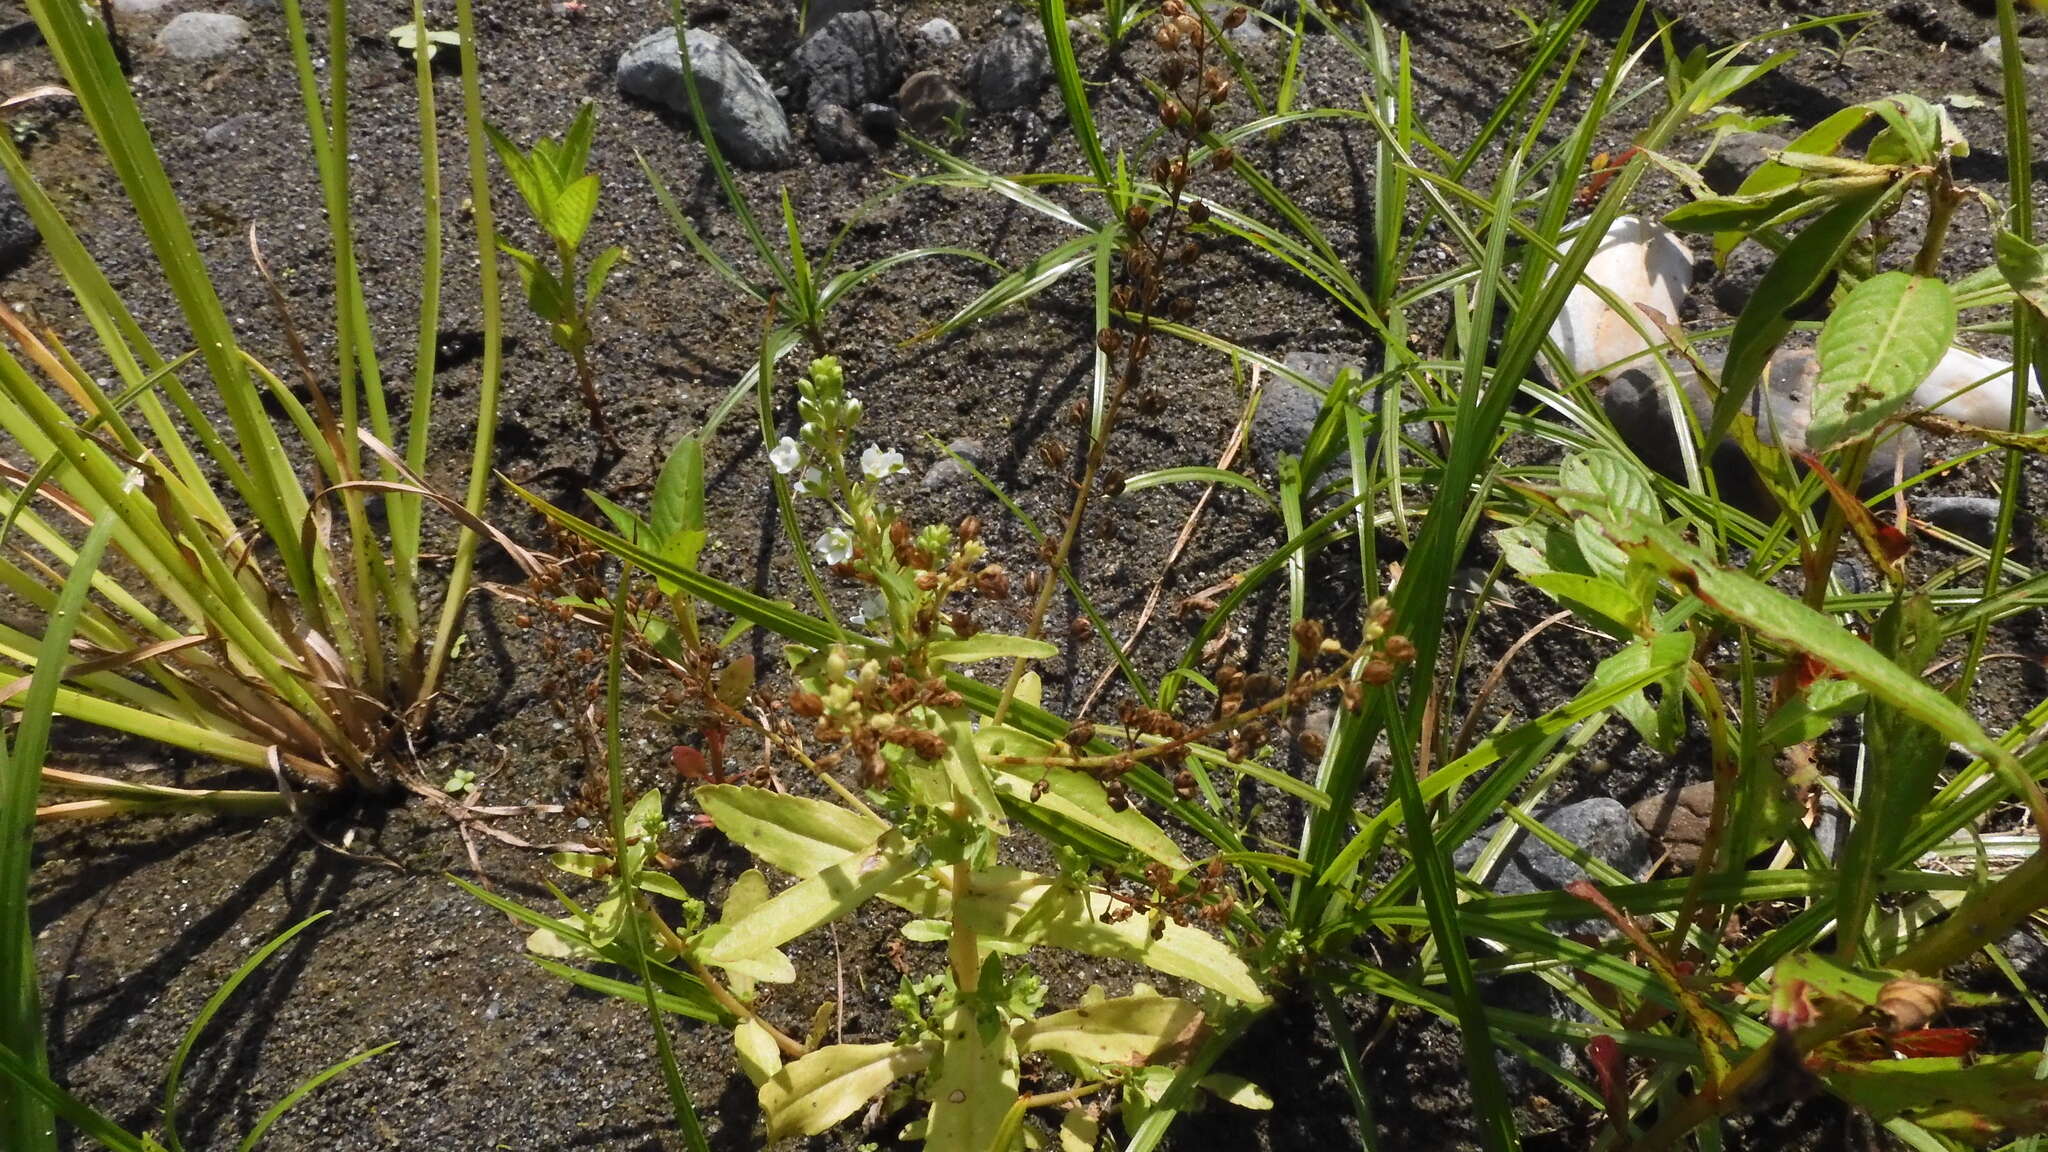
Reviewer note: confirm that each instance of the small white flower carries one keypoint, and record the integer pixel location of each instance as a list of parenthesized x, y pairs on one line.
[(813, 480), (834, 545), (873, 606), (786, 455), (853, 410), (879, 462)]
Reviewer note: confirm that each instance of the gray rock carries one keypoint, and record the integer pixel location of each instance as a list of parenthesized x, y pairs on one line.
[(1287, 411), (1010, 70), (1974, 518), (1600, 826), (228, 132), (1637, 403), (2033, 55), (947, 472), (1736, 156), (18, 235), (743, 113), (929, 103), (937, 34), (849, 60), (837, 134), (141, 7), (1736, 282), (1830, 825), (202, 35)]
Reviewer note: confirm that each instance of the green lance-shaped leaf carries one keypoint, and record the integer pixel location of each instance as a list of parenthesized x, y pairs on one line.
[(1127, 1030), (1074, 795), (798, 835), (747, 894), (831, 893), (1779, 618), (810, 1095), (1980, 1102), (2025, 267), (975, 1086), (990, 646), (1877, 347), (1025, 908)]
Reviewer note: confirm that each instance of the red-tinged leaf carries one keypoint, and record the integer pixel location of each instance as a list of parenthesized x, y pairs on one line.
[(1886, 545), (1605, 1057), (689, 763), (1936, 1042)]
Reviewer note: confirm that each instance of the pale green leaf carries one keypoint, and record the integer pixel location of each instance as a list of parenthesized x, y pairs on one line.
[(1128, 1030), (1237, 1090), (827, 895), (759, 1056), (990, 646), (796, 834), (1075, 795), (1009, 904), (975, 1086), (810, 1095), (1876, 348)]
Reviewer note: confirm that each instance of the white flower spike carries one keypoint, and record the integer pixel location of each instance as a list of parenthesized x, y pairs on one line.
[(879, 462), (834, 546), (786, 455)]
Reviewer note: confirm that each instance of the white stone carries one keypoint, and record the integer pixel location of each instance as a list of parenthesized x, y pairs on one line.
[(1971, 388), (1641, 264)]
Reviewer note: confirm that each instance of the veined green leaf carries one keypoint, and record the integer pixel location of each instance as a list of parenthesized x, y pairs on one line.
[(1979, 1102), (1876, 348), (2025, 267), (810, 1095), (975, 1086), (1779, 618), (1075, 795), (796, 834), (1022, 906), (831, 893), (1127, 1030)]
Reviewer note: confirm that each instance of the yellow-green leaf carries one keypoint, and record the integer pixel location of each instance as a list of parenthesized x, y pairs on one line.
[(829, 894), (1127, 1030), (975, 1086), (795, 834), (810, 1095), (1876, 348)]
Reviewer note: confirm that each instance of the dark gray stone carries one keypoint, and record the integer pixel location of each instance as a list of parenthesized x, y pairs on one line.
[(837, 134), (929, 103), (1286, 416), (202, 35), (1010, 70), (742, 110), (1637, 404), (818, 12), (849, 60), (1601, 826), (1736, 282), (880, 121), (1736, 156), (947, 472), (2033, 55), (18, 235), (228, 132), (1974, 518)]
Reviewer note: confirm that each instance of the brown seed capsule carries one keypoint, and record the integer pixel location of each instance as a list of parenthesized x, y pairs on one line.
[(806, 704), (1399, 649), (1184, 784), (1081, 734), (1190, 252), (1054, 454), (1173, 70), (1236, 17), (1308, 633), (1137, 216), (1078, 410), (1033, 581), (1117, 795), (1198, 213), (970, 528), (992, 583), (1171, 113), (1908, 1004), (1377, 672), (1222, 159), (1081, 629), (1113, 483), (1312, 744), (1167, 36), (1109, 340), (1038, 788), (1181, 308)]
